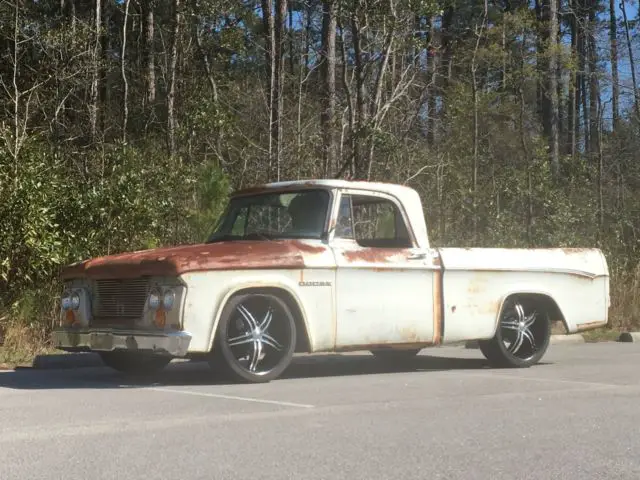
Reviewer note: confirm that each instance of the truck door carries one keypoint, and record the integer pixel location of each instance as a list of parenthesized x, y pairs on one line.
[(385, 285)]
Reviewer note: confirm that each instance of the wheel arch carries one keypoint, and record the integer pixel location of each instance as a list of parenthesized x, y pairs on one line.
[(543, 299), (303, 339)]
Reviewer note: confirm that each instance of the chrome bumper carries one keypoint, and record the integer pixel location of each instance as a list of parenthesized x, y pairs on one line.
[(172, 343)]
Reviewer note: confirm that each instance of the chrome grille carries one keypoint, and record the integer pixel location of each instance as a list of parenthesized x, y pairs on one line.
[(121, 299)]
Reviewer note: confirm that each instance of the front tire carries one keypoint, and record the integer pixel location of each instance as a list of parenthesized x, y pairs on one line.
[(255, 339), (522, 336), (134, 363)]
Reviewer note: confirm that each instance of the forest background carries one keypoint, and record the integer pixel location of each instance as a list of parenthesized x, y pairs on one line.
[(124, 124)]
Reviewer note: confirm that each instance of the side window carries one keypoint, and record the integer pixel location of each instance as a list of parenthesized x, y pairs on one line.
[(372, 222), (344, 224)]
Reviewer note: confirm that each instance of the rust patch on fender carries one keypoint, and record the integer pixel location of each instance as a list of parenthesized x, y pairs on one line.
[(373, 255), (306, 248), (174, 261)]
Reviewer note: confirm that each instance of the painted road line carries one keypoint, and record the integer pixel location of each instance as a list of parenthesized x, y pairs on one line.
[(231, 397)]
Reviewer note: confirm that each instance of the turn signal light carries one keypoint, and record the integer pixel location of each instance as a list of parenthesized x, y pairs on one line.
[(69, 317), (160, 318)]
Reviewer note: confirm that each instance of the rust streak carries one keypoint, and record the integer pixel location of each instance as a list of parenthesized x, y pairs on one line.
[(581, 327), (373, 255), (173, 261), (437, 307), (373, 346)]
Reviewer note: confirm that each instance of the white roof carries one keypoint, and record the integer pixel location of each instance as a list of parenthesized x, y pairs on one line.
[(406, 195)]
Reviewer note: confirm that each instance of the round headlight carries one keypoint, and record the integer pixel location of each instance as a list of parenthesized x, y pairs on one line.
[(66, 302), (154, 300), (168, 299), (75, 301)]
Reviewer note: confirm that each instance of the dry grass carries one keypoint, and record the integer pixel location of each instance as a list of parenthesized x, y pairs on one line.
[(24, 328), (21, 344)]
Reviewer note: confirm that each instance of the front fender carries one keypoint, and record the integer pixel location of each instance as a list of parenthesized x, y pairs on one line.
[(256, 281)]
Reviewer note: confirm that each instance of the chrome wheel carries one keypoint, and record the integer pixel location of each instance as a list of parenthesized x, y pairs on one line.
[(256, 336), (523, 333), (519, 331)]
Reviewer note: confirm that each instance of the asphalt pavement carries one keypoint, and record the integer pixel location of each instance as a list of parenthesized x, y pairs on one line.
[(445, 415)]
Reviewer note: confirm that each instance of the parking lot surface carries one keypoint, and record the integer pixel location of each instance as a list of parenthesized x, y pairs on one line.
[(443, 415)]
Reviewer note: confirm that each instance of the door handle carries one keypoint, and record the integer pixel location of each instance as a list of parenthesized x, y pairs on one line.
[(417, 256)]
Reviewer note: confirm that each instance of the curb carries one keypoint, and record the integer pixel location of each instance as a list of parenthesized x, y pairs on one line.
[(629, 337), (567, 338), (555, 339), (66, 360)]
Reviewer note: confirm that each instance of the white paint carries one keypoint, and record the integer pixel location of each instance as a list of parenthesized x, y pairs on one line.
[(477, 281), (231, 397), (383, 302), (368, 301)]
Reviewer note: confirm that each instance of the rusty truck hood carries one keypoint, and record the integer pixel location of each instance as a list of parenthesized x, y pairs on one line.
[(178, 260)]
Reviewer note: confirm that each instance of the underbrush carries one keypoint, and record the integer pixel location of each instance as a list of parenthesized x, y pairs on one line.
[(625, 301), (25, 327)]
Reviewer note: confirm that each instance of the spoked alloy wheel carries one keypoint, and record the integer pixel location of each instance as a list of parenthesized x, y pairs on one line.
[(256, 337), (522, 336)]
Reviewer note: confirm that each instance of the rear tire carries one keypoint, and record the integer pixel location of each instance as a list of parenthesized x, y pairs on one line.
[(134, 363), (522, 336), (255, 339)]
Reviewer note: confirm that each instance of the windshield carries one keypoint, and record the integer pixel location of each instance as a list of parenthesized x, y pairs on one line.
[(299, 214)]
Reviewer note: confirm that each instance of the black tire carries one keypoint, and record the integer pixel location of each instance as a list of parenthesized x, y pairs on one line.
[(253, 335), (524, 320), (134, 363), (395, 355)]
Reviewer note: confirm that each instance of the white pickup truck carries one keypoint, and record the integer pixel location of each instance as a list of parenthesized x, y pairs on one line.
[(324, 266)]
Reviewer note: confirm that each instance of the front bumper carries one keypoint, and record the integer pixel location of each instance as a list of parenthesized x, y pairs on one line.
[(171, 343)]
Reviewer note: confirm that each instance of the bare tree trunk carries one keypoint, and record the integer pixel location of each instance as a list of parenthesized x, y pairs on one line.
[(171, 119), (572, 104), (554, 139), (17, 143), (476, 133), (615, 87), (125, 99), (359, 170), (327, 117), (376, 102), (281, 15), (593, 81), (290, 35), (149, 27), (207, 64), (600, 173), (350, 107), (631, 60), (270, 50), (93, 108), (307, 38)]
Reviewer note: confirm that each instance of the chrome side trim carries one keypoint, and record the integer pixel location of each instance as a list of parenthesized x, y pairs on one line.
[(172, 343)]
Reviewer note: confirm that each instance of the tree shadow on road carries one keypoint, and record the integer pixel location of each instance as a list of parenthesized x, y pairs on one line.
[(200, 373)]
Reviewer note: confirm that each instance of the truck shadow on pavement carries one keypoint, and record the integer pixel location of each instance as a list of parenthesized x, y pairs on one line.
[(185, 373)]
